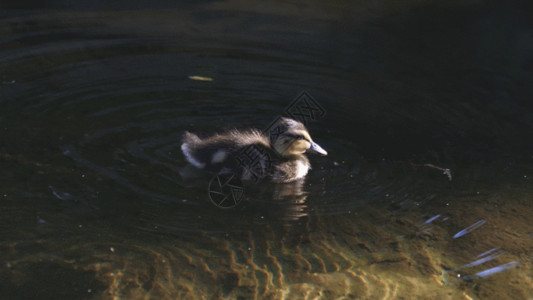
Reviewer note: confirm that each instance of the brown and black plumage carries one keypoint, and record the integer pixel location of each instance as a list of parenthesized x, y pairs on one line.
[(277, 155)]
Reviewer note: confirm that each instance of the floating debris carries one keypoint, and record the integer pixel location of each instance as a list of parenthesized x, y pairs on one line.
[(445, 171), (470, 228), (200, 78)]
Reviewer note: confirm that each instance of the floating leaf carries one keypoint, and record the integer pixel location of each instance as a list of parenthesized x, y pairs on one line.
[(200, 78)]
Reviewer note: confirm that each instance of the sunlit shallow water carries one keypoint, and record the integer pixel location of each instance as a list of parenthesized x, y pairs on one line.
[(94, 104)]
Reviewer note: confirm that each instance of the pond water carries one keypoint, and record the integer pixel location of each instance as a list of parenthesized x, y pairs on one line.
[(425, 193)]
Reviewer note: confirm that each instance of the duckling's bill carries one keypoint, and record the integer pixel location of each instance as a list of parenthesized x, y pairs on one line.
[(315, 148)]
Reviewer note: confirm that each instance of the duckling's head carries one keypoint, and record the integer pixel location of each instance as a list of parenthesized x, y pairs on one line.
[(290, 138)]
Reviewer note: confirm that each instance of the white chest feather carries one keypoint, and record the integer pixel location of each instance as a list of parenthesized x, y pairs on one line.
[(301, 169)]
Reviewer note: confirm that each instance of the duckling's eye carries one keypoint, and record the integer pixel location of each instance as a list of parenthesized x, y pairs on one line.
[(300, 137)]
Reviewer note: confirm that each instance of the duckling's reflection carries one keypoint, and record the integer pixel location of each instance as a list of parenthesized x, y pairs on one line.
[(286, 202), (283, 202)]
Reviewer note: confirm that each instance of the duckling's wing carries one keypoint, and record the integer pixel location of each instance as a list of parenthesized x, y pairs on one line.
[(245, 154)]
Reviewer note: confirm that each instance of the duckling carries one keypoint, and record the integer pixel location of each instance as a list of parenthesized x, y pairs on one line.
[(252, 154)]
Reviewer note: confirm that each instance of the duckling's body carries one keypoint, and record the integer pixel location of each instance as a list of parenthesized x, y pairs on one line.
[(251, 154)]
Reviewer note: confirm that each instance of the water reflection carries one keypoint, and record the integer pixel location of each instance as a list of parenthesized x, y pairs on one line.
[(286, 202)]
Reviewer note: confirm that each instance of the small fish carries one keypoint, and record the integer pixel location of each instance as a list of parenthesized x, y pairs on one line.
[(487, 252), (481, 260), (65, 196), (494, 270), (432, 219), (470, 228)]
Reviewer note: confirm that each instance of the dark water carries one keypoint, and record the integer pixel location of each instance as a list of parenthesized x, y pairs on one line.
[(95, 98)]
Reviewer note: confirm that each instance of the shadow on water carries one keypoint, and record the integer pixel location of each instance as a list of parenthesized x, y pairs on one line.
[(425, 191)]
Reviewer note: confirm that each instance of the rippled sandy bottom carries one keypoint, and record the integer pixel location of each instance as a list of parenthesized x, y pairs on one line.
[(375, 253)]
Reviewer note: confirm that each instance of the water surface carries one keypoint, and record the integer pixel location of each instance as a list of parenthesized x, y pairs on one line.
[(94, 100)]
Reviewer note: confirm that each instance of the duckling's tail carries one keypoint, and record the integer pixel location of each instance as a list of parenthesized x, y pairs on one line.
[(189, 141), (190, 138)]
